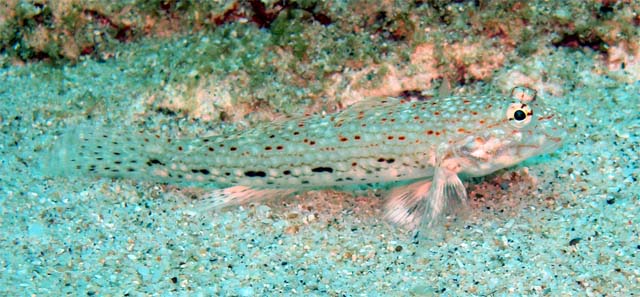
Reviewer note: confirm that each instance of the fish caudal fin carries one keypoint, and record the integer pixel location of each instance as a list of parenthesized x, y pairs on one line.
[(88, 150)]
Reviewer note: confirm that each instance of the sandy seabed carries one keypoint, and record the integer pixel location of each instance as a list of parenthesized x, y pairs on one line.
[(562, 224)]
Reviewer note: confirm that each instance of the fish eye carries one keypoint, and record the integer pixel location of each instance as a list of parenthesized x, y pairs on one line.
[(519, 114)]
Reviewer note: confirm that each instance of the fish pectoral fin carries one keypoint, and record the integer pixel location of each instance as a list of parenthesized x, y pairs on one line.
[(405, 205), (446, 192), (237, 195), (426, 201)]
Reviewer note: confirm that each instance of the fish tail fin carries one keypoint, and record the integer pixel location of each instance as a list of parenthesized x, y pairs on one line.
[(105, 151)]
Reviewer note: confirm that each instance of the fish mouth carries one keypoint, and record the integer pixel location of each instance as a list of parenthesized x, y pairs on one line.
[(544, 145), (508, 154)]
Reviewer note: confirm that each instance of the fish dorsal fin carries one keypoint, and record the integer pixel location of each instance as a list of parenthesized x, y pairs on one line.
[(349, 113), (374, 103), (369, 105)]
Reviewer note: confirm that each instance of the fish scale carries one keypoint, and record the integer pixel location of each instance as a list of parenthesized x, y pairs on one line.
[(385, 140)]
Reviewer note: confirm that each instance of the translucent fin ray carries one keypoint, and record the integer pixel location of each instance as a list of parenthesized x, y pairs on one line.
[(238, 195)]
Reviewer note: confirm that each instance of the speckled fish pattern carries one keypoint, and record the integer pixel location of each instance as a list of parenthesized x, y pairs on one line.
[(386, 140)]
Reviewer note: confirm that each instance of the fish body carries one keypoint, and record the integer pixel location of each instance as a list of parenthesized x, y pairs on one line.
[(428, 142)]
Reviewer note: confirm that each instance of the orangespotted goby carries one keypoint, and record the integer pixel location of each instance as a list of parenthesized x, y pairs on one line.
[(426, 145)]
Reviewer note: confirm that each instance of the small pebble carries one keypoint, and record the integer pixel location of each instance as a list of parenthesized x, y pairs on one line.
[(504, 185), (246, 291), (574, 241)]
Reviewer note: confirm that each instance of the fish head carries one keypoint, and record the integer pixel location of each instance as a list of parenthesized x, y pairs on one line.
[(515, 128)]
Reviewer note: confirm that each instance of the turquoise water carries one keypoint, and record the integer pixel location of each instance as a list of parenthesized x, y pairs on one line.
[(560, 224)]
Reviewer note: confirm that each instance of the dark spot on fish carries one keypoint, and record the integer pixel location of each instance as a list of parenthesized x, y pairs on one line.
[(154, 162), (255, 173), (322, 169), (203, 171)]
